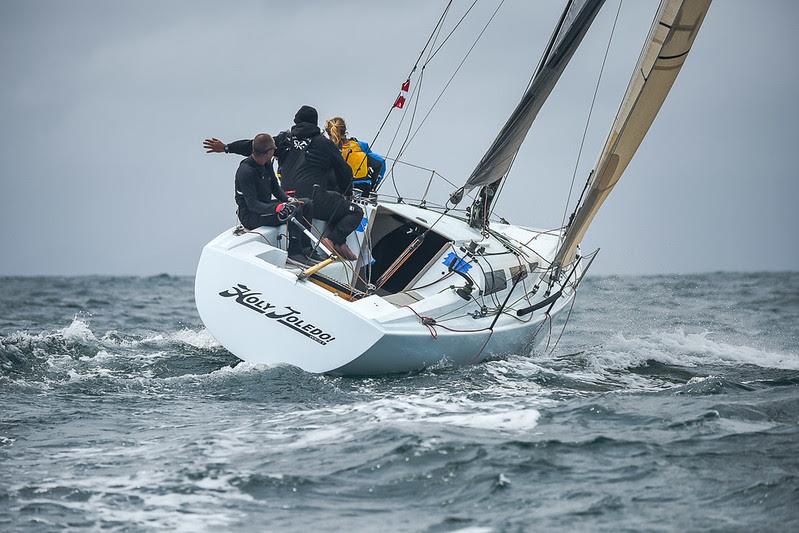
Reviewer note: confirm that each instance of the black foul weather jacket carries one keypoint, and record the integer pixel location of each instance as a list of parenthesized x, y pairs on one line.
[(256, 185), (306, 158)]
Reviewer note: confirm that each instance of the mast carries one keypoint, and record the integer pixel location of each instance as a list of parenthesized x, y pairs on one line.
[(569, 32), (670, 38)]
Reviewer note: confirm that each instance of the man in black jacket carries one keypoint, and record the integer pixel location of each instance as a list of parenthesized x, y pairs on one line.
[(311, 166), (256, 186)]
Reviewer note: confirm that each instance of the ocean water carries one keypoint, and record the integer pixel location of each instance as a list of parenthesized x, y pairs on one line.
[(670, 403)]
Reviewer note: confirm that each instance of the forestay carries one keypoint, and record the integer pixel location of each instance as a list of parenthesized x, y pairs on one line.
[(670, 38), (572, 26)]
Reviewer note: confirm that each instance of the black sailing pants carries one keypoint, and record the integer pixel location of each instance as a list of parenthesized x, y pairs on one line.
[(254, 220), (341, 215), (296, 238)]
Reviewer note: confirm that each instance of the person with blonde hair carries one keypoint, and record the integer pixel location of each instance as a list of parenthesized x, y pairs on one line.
[(367, 167)]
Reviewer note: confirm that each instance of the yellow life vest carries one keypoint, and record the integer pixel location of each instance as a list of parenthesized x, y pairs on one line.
[(356, 158)]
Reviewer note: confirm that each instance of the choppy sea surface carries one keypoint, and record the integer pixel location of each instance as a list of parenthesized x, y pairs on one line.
[(670, 403)]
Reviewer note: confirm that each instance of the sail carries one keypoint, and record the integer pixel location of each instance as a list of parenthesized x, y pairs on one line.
[(673, 32), (572, 26)]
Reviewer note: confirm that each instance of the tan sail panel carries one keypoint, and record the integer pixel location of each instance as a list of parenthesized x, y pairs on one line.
[(670, 38)]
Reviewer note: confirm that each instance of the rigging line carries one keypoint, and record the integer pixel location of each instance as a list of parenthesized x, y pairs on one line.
[(442, 278), (394, 138), (435, 40), (562, 287), (264, 237), (446, 86), (430, 58), (464, 331), (526, 296), (418, 93), (445, 179), (404, 113), (456, 317), (417, 89), (419, 167), (416, 64), (410, 164), (442, 319), (565, 323), (426, 321), (588, 121), (510, 242), (410, 126), (549, 335), (437, 173)]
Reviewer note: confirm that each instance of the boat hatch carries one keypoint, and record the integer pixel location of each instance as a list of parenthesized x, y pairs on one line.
[(392, 234)]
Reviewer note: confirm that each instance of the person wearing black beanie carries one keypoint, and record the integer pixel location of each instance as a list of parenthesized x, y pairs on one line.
[(307, 114)]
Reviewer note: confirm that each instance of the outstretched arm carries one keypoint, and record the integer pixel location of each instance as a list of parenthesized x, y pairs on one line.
[(214, 145)]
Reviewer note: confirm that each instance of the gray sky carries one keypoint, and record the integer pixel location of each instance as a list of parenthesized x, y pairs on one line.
[(104, 106)]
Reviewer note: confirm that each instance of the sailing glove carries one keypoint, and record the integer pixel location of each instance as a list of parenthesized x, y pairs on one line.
[(284, 211)]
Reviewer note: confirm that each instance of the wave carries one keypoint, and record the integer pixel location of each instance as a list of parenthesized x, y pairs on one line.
[(651, 362), (76, 352), (200, 338), (688, 349)]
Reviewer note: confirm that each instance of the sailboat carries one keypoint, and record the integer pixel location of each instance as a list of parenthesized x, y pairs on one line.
[(432, 285)]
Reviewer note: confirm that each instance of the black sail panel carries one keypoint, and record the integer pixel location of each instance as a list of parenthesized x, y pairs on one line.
[(572, 27)]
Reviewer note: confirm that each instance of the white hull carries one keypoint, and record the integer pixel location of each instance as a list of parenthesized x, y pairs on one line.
[(255, 305)]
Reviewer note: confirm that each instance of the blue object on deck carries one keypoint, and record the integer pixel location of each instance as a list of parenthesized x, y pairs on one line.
[(460, 265)]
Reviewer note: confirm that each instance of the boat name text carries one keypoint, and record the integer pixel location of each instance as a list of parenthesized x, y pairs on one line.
[(282, 314)]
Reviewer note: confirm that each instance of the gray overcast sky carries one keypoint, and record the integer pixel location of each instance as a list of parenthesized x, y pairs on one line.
[(104, 106)]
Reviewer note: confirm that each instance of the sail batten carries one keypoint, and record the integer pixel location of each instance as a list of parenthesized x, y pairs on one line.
[(666, 48), (572, 27)]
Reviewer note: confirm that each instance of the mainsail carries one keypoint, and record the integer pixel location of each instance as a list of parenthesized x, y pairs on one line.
[(673, 32), (572, 26)]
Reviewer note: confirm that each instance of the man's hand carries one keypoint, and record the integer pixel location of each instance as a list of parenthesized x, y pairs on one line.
[(284, 211), (213, 145)]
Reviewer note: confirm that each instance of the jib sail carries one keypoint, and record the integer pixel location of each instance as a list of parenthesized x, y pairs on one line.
[(670, 38)]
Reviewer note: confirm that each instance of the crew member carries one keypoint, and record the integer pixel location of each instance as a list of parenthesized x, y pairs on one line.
[(367, 166), (260, 199)]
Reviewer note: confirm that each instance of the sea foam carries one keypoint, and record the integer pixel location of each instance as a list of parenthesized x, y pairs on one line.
[(689, 349)]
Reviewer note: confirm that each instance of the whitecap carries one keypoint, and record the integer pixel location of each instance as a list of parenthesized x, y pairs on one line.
[(689, 349), (520, 420), (77, 331)]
